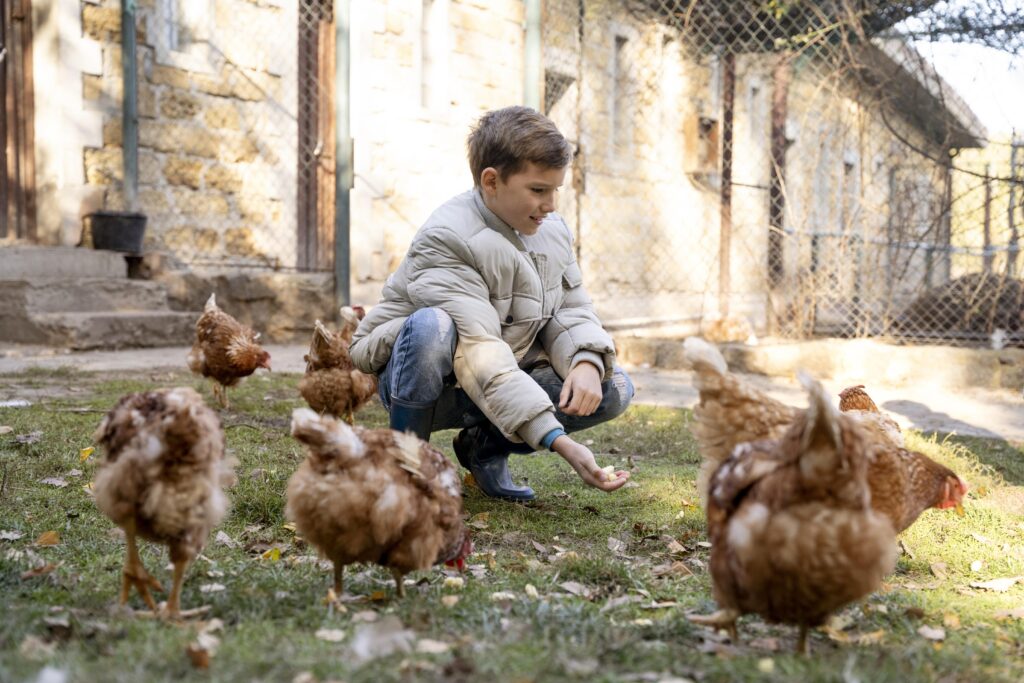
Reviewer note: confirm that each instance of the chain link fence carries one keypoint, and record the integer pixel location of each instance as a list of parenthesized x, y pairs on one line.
[(235, 131), (791, 167)]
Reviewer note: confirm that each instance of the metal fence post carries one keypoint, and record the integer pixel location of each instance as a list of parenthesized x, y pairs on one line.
[(344, 172), (532, 56), (130, 106)]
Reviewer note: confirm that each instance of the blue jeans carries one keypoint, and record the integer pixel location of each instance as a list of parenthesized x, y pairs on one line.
[(420, 374)]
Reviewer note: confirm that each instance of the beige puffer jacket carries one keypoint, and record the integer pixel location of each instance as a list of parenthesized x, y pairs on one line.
[(509, 305)]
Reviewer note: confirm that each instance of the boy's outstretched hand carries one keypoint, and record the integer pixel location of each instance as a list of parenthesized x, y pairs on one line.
[(582, 460), (581, 392)]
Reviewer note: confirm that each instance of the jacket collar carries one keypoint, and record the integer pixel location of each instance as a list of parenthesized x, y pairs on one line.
[(494, 223)]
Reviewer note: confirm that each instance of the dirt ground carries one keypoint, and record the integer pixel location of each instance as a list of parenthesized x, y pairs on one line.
[(969, 412)]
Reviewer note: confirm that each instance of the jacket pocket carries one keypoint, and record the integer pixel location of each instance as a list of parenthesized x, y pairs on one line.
[(572, 277)]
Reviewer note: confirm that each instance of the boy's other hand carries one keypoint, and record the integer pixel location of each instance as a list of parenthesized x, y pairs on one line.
[(582, 460), (581, 392)]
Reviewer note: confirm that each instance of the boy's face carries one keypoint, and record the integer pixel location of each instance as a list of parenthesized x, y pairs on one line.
[(525, 198)]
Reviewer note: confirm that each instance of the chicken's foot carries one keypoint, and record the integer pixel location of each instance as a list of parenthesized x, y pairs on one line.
[(399, 582), (136, 575), (722, 619)]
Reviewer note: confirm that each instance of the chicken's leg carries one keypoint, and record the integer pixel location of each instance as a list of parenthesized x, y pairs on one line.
[(399, 582), (802, 644), (174, 599), (723, 618), (339, 575), (136, 575)]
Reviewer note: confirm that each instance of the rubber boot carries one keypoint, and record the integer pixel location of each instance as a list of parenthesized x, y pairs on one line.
[(486, 457), (416, 420)]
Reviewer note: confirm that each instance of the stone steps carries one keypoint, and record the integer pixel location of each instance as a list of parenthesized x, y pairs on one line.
[(82, 295), (113, 329), (18, 262)]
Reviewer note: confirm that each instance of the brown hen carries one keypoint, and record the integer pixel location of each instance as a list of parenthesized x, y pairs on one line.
[(162, 480), (331, 384), (225, 350), (793, 533), (732, 411), (855, 401), (375, 496)]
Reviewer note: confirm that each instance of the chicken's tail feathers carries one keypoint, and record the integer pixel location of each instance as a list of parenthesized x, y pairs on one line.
[(703, 355), (324, 433), (211, 303), (822, 416)]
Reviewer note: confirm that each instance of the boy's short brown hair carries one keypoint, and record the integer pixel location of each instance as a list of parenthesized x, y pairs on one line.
[(505, 139)]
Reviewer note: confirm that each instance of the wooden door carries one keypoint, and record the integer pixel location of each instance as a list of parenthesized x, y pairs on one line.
[(17, 169)]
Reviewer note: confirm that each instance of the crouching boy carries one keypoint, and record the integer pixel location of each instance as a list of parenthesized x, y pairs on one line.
[(486, 325)]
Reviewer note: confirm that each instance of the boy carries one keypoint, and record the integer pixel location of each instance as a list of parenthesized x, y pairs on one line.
[(486, 325)]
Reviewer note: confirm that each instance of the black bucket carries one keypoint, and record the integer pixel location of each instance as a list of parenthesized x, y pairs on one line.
[(117, 230)]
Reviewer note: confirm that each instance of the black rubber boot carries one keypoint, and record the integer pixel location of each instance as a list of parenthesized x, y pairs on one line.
[(416, 420), (486, 458)]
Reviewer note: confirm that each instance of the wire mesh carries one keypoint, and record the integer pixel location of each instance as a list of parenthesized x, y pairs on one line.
[(234, 122), (783, 166)]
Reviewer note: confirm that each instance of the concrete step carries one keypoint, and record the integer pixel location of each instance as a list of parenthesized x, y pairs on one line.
[(22, 261), (111, 330), (81, 295)]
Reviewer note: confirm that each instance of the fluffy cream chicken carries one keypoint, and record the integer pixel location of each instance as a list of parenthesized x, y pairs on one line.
[(225, 350), (331, 384), (162, 479), (731, 412), (375, 495), (793, 533)]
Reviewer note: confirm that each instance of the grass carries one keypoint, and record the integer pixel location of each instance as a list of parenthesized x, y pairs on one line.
[(615, 549)]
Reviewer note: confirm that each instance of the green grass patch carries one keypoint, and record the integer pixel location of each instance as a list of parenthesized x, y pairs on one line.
[(599, 583)]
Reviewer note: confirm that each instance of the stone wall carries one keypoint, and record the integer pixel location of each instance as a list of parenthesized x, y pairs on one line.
[(217, 131)]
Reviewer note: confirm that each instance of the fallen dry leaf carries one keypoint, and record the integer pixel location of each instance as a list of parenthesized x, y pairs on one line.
[(998, 585), (575, 588), (272, 554), (951, 620), (769, 644), (10, 535), (939, 570), (539, 548), (198, 655), (503, 596), (454, 582), (331, 635), (378, 596), (449, 600), (30, 438), (616, 546), (531, 591), (932, 633), (766, 665), (212, 588), (48, 538), (41, 570), (84, 454), (54, 481), (380, 639), (1017, 613), (224, 539), (426, 646), (6, 429), (35, 648)]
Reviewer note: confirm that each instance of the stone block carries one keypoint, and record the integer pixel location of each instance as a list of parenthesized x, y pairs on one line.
[(178, 105), (153, 201), (101, 23), (189, 238), (183, 171), (259, 209), (160, 74), (147, 101), (92, 87), (150, 168), (112, 135), (222, 178), (238, 148), (240, 242), (223, 116), (104, 166), (200, 203)]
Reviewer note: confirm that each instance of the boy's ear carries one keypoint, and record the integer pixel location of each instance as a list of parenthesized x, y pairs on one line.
[(489, 179)]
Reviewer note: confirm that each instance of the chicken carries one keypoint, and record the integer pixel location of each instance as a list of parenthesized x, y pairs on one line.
[(731, 412), (793, 533), (375, 496), (855, 401), (162, 479), (225, 350), (332, 384)]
